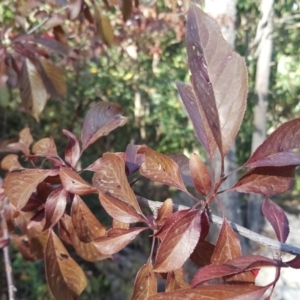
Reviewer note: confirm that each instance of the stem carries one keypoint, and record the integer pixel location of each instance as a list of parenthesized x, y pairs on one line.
[(269, 243), (7, 260), (33, 29)]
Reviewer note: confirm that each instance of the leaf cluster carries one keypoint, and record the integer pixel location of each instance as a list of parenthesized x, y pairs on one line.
[(45, 204)]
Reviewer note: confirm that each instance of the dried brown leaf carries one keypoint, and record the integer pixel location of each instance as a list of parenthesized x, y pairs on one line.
[(145, 284), (86, 225), (11, 163), (161, 168), (200, 174), (20, 186), (100, 120), (112, 181), (73, 183), (32, 89), (55, 207), (65, 278)]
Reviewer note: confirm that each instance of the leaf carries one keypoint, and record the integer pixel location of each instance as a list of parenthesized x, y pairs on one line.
[(25, 140), (219, 77), (175, 280), (234, 266), (74, 10), (4, 242), (45, 147), (53, 78), (276, 149), (73, 183), (164, 212), (87, 251), (60, 35), (126, 9), (277, 218), (117, 224), (197, 117), (19, 186), (86, 225), (97, 164), (32, 89), (145, 284), (200, 174), (161, 168), (22, 244), (227, 246), (55, 207), (183, 162), (267, 181), (214, 292), (116, 239), (65, 278), (11, 163), (53, 45), (178, 245), (120, 210), (133, 159), (294, 263), (112, 181), (202, 253), (103, 27), (100, 120), (72, 152)]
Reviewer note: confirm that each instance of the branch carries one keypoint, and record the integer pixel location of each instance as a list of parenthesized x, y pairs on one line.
[(269, 243), (7, 261), (33, 29)]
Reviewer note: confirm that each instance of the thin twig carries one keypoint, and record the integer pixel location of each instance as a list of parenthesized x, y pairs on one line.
[(7, 261), (33, 29), (269, 243)]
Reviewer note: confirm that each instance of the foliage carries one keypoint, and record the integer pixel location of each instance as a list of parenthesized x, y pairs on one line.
[(46, 200)]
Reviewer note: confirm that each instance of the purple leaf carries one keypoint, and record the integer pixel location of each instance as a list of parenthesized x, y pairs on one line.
[(276, 149), (276, 216)]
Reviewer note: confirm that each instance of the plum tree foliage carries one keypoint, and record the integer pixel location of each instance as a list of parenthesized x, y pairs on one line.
[(45, 204)]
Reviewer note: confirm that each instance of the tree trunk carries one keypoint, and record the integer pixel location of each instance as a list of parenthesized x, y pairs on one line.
[(264, 44), (224, 12)]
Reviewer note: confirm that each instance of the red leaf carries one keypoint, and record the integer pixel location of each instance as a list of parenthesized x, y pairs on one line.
[(3, 242), (202, 253), (65, 278), (145, 284), (214, 292), (161, 168), (204, 225), (72, 152), (215, 69), (100, 120), (227, 246), (133, 159), (45, 147), (183, 162), (180, 242), (86, 225), (164, 212), (197, 117), (294, 263), (112, 181), (276, 149), (73, 183), (116, 239), (175, 280), (234, 266), (120, 210), (200, 175), (276, 216), (267, 181), (19, 186), (87, 251), (55, 207)]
